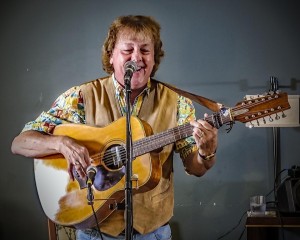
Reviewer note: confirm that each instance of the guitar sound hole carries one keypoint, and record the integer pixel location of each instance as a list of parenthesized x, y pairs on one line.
[(114, 157), (109, 175)]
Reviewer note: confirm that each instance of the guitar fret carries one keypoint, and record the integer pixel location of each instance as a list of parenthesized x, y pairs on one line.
[(162, 139)]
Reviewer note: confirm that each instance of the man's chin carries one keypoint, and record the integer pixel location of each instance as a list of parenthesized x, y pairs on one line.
[(138, 83)]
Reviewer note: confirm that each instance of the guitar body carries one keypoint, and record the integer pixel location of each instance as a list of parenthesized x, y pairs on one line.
[(65, 201)]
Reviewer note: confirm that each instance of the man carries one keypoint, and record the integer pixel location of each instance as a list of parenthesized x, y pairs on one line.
[(102, 101)]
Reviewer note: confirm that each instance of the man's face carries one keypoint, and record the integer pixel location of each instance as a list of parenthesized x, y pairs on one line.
[(135, 48)]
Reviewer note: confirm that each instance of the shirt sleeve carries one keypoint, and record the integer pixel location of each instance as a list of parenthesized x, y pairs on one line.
[(67, 108), (185, 114)]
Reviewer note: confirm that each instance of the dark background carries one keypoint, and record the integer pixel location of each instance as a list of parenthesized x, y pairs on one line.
[(222, 50)]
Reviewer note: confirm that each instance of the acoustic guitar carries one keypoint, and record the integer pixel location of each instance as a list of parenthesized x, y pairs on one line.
[(64, 201)]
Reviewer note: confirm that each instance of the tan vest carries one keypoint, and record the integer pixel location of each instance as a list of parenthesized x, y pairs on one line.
[(155, 207)]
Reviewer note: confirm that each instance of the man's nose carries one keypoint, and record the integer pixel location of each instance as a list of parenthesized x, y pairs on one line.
[(136, 56)]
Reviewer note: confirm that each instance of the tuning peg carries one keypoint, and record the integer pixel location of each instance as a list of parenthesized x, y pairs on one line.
[(257, 122), (283, 115), (277, 117), (264, 120), (250, 125), (270, 119)]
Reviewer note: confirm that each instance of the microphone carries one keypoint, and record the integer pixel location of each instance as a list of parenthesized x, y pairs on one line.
[(130, 67), (91, 173)]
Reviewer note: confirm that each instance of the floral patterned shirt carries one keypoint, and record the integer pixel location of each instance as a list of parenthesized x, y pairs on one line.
[(69, 108)]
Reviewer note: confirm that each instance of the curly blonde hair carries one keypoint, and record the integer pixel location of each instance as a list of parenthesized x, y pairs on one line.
[(141, 26)]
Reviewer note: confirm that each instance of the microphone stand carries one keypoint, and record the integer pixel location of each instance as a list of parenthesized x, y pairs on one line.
[(129, 154)]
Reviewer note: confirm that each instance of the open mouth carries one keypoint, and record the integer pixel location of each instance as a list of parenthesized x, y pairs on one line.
[(139, 68)]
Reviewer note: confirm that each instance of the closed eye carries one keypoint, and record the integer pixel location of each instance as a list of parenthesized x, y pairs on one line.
[(145, 51), (127, 51)]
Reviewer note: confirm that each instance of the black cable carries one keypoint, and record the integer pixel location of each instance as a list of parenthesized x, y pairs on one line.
[(97, 224), (275, 187), (281, 225), (276, 199), (231, 230), (275, 183), (242, 233)]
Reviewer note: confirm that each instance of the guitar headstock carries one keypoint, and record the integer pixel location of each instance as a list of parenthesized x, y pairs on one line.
[(261, 106)]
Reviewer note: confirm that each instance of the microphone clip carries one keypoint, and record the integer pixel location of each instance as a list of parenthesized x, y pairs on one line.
[(90, 194), (91, 173)]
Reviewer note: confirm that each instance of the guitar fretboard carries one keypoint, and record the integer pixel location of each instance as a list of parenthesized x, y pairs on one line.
[(162, 139), (169, 136)]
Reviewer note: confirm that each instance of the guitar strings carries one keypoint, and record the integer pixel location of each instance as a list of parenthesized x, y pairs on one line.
[(179, 132)]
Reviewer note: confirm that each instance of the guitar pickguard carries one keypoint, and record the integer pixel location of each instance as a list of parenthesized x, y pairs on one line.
[(106, 179)]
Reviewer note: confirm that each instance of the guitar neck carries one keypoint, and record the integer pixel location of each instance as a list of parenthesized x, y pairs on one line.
[(172, 135), (162, 139)]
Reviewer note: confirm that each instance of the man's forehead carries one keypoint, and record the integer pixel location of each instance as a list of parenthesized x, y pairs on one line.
[(130, 35)]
